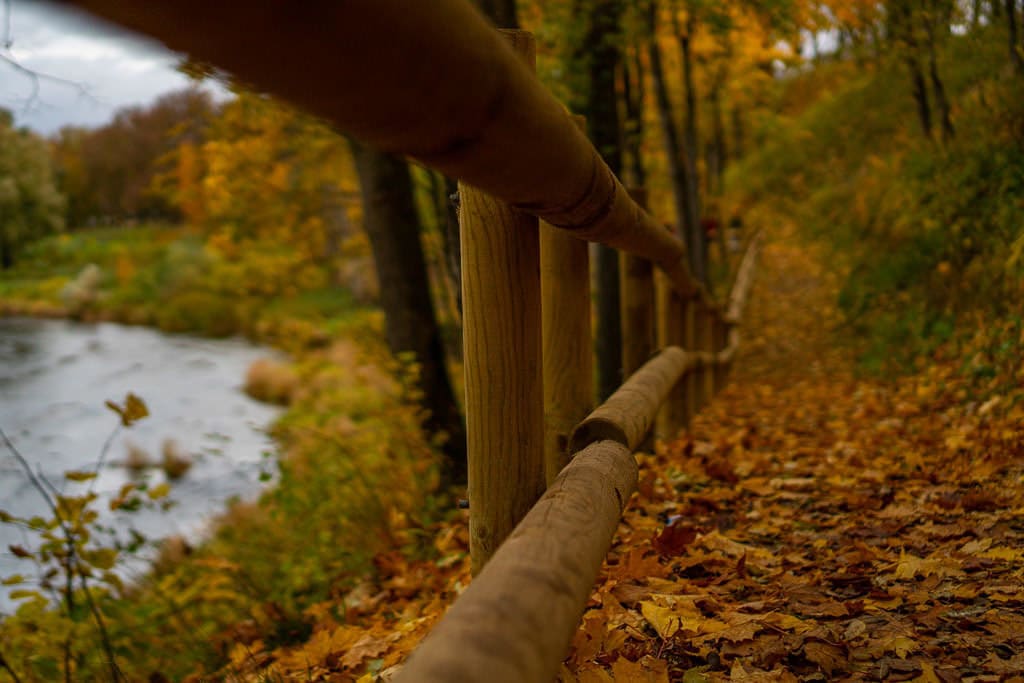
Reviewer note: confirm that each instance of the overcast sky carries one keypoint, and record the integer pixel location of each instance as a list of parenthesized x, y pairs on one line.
[(115, 68)]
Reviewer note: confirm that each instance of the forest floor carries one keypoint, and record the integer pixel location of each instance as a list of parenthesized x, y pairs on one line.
[(815, 525)]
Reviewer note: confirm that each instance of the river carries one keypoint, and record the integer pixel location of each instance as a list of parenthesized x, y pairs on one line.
[(55, 376)]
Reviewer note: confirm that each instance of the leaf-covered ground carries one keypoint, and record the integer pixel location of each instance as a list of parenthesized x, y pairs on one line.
[(814, 526)]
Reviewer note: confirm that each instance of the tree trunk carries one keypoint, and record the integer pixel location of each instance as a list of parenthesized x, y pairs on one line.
[(601, 41), (902, 30), (718, 143), (6, 252), (676, 165), (501, 12), (738, 133), (1016, 52), (452, 242), (393, 227), (920, 93), (938, 90), (633, 128), (697, 239)]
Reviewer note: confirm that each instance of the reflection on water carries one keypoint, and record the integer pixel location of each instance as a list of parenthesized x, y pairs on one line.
[(54, 378)]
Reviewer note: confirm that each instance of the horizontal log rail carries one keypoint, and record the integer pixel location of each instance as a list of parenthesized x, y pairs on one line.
[(429, 80), (515, 621), (628, 414)]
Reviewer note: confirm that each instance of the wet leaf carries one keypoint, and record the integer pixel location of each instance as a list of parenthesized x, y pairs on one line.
[(133, 410)]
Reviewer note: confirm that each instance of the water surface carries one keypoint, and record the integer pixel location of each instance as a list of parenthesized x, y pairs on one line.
[(54, 378)]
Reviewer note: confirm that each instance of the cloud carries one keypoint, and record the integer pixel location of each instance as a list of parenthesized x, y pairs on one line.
[(114, 67)]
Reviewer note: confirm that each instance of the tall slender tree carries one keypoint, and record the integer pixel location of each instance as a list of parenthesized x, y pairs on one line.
[(674, 145), (1016, 49), (697, 239), (603, 39), (501, 12), (393, 227)]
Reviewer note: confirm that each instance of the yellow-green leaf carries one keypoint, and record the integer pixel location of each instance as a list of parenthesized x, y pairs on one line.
[(133, 410), (104, 558), (158, 492), (78, 475)]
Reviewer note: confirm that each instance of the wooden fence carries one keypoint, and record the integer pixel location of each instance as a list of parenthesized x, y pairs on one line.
[(549, 477)]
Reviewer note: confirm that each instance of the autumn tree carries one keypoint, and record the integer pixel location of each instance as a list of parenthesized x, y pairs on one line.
[(107, 172), (30, 204), (1015, 44), (594, 57), (394, 229), (915, 29), (677, 155)]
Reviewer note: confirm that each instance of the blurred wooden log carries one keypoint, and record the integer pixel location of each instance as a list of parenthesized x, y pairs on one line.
[(515, 621), (705, 342), (628, 414), (675, 412)]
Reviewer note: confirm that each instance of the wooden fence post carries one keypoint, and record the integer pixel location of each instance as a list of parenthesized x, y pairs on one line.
[(671, 332), (705, 321), (636, 283), (502, 341), (568, 344), (691, 396), (721, 340), (637, 305)]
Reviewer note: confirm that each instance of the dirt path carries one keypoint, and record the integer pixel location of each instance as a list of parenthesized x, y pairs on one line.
[(816, 526)]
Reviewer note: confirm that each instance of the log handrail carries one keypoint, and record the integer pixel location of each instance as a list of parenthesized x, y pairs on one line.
[(514, 622), (429, 80), (435, 82)]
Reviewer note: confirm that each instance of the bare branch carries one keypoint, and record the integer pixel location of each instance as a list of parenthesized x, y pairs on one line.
[(8, 41), (35, 77)]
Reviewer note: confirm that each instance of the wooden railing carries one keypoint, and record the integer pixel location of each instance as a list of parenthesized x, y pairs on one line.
[(548, 477)]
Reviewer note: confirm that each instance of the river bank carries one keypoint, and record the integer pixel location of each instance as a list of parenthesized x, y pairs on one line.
[(204, 437), (348, 432)]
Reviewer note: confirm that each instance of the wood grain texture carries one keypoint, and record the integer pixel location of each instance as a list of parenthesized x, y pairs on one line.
[(515, 621), (568, 356), (637, 304), (626, 417), (429, 80), (502, 358), (705, 341), (671, 311), (567, 351), (501, 313)]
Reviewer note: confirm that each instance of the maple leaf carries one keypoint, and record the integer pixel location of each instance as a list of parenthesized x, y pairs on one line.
[(647, 670), (910, 566), (592, 674), (675, 538), (367, 647), (827, 656), (901, 646)]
